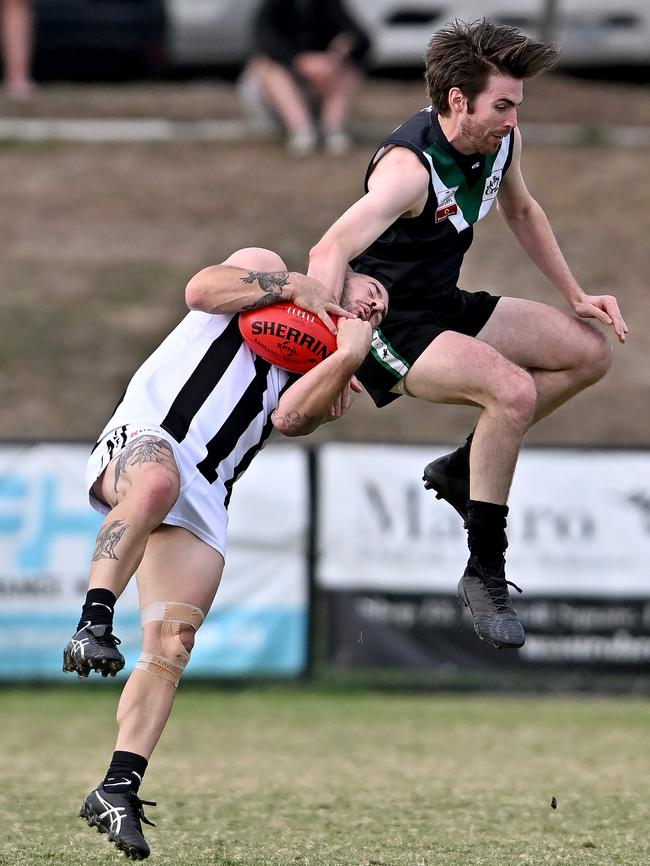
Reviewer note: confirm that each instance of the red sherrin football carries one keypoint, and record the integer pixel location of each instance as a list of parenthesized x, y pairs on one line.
[(287, 336)]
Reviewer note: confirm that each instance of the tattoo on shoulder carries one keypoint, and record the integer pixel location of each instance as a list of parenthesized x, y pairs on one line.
[(146, 449), (270, 283), (108, 539)]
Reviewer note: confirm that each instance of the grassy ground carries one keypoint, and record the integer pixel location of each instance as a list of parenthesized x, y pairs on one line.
[(284, 776)]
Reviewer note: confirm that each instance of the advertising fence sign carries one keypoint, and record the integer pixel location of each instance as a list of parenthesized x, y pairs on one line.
[(391, 556), (259, 622)]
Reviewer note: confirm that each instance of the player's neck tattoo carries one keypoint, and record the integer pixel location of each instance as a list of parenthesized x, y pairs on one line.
[(270, 283)]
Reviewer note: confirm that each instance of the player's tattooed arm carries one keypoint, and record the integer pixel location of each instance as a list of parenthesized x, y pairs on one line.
[(272, 284), (227, 289), (108, 538), (224, 289)]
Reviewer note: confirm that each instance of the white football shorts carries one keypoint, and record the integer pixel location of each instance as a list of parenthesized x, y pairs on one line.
[(198, 507)]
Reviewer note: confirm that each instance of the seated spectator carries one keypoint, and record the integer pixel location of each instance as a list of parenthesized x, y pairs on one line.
[(305, 70)]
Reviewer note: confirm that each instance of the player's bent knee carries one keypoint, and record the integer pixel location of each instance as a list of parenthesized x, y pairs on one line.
[(599, 356), (516, 395), (158, 490), (178, 625)]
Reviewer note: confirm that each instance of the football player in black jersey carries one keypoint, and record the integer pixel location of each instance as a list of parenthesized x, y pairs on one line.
[(516, 360)]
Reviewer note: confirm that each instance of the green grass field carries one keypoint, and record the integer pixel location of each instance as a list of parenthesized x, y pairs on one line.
[(290, 776)]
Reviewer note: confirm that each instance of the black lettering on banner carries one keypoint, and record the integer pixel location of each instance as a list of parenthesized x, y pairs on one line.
[(380, 508), (541, 523)]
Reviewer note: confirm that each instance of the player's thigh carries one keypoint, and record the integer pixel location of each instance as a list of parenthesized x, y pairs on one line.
[(455, 368), (178, 566), (145, 466), (536, 335)]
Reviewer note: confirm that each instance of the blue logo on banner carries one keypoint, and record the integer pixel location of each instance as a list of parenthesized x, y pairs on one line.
[(47, 538), (35, 516)]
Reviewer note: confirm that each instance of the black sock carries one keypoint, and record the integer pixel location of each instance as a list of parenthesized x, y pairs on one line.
[(125, 773), (98, 608), (486, 532)]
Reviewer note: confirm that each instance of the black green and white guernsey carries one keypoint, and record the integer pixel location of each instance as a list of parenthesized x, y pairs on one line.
[(419, 259)]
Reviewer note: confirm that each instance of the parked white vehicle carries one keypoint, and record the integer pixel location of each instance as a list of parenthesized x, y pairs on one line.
[(589, 32)]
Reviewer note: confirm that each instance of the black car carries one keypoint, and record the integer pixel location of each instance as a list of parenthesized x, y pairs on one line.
[(113, 39)]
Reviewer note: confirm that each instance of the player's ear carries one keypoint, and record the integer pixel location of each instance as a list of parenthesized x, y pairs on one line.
[(457, 100), (256, 259)]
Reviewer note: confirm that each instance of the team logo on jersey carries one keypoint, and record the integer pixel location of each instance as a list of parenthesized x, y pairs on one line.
[(446, 204), (492, 185)]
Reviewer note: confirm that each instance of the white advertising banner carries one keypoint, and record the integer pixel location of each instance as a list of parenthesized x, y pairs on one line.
[(259, 621), (579, 523)]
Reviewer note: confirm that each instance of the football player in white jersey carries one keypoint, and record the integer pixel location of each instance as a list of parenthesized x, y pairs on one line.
[(190, 422)]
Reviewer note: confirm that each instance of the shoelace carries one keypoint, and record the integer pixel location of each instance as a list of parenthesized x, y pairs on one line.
[(497, 590), (139, 810), (108, 639)]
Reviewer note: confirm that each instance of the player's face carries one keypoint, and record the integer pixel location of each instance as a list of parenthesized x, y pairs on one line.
[(366, 297), (493, 115)]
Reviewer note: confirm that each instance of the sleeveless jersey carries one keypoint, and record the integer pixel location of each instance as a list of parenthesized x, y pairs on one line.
[(419, 259), (206, 388)]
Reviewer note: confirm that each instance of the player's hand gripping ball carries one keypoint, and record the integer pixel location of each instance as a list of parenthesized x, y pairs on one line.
[(287, 336)]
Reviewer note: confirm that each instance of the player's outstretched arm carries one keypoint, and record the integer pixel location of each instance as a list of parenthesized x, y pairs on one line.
[(399, 185), (529, 224), (255, 277), (323, 393)]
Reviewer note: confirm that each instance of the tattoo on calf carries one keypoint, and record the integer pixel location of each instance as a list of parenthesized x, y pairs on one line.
[(146, 449), (272, 284), (108, 538)]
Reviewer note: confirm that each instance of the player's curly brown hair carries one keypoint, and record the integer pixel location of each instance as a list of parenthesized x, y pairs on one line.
[(464, 54)]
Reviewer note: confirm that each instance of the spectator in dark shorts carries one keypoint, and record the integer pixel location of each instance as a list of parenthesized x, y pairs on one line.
[(307, 68), (516, 360)]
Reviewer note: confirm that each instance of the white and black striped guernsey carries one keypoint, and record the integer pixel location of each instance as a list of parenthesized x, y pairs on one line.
[(206, 388)]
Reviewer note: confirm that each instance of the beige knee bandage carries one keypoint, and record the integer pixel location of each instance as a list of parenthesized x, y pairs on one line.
[(172, 615)]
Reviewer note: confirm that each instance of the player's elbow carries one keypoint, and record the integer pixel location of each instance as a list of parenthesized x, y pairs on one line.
[(516, 212), (328, 248), (196, 293), (293, 423)]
